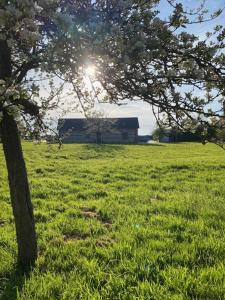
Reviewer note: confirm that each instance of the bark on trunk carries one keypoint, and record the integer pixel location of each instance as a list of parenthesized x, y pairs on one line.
[(19, 190)]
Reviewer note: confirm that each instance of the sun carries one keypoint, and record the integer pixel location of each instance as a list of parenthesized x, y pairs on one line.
[(90, 71)]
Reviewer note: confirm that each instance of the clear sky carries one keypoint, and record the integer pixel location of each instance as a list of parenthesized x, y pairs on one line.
[(143, 110)]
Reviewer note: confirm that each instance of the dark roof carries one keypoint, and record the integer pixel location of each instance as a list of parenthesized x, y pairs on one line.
[(118, 123)]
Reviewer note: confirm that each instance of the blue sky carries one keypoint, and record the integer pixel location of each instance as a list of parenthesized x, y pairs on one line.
[(143, 110)]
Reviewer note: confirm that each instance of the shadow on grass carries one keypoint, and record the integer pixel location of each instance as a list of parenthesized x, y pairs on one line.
[(13, 283), (104, 148), (150, 145)]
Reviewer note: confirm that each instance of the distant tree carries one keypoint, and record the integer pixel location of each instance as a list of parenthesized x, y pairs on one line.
[(158, 132), (45, 46), (98, 123)]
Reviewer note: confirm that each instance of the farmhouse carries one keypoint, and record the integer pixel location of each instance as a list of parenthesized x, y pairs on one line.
[(176, 136), (99, 130)]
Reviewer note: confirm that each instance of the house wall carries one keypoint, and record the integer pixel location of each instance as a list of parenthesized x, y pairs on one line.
[(165, 139), (128, 136), (179, 137)]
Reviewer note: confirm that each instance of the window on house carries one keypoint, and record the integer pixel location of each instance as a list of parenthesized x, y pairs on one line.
[(124, 135)]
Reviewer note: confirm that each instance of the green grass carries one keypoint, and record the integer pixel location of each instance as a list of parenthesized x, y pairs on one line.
[(120, 222)]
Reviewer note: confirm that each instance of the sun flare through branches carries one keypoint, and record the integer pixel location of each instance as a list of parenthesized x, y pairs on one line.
[(90, 71)]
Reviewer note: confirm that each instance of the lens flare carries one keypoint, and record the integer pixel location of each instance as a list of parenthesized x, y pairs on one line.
[(90, 71)]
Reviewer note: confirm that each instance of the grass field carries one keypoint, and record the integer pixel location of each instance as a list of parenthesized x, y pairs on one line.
[(120, 222)]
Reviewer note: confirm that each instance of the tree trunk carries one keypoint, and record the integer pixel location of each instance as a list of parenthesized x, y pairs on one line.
[(19, 190), (99, 138)]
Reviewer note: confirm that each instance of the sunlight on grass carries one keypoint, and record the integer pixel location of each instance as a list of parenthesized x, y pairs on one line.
[(120, 222)]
